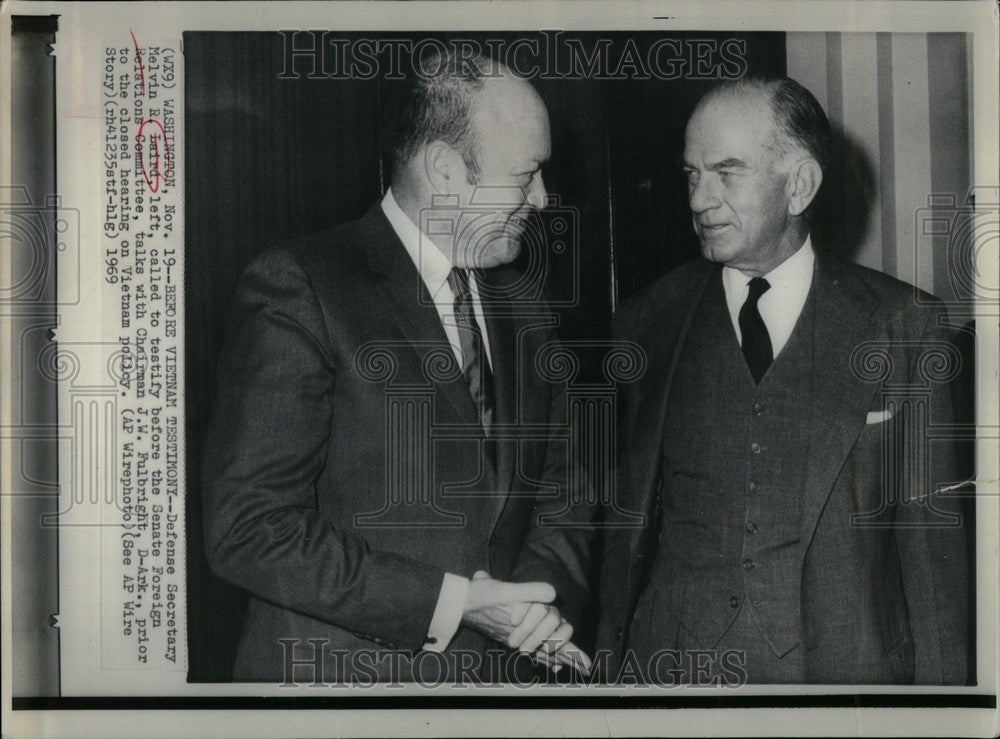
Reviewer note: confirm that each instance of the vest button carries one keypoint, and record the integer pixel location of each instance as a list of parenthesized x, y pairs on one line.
[(748, 564), (751, 527), (754, 486), (734, 602), (755, 448), (758, 409)]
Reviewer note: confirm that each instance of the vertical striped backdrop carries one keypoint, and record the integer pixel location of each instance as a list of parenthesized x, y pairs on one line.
[(902, 102)]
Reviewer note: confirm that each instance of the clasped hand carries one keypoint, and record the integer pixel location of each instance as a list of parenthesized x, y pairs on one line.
[(521, 616)]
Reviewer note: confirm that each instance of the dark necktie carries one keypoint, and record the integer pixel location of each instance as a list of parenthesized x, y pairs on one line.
[(475, 365), (756, 340)]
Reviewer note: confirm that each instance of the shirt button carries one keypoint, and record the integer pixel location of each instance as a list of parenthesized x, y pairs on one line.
[(755, 448), (734, 602), (748, 564), (754, 486), (758, 409), (751, 527)]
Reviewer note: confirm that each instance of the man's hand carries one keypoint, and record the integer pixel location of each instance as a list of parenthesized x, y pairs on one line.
[(548, 638), (496, 608), (568, 654), (519, 615)]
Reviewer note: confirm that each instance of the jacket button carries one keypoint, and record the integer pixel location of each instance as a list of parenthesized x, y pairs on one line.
[(755, 448), (754, 486), (619, 634), (734, 602), (748, 564), (751, 527), (758, 409)]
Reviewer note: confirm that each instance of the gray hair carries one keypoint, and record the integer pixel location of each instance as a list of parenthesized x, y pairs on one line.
[(436, 103), (799, 117)]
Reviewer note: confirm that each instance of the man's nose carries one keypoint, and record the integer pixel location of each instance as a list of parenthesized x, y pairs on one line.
[(537, 194), (701, 195)]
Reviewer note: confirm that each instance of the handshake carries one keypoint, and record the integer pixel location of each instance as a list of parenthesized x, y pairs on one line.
[(520, 616)]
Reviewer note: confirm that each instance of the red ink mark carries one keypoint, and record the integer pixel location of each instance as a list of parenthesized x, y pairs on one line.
[(138, 58), (152, 173)]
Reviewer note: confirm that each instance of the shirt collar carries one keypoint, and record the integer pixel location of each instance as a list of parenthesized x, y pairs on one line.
[(431, 262), (789, 275)]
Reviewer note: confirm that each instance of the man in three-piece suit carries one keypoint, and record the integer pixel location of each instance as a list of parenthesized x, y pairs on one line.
[(368, 462), (777, 444)]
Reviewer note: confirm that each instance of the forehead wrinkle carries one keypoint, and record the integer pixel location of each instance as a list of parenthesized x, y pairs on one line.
[(757, 144)]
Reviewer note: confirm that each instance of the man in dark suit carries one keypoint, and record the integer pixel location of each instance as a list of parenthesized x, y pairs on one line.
[(369, 463), (778, 443)]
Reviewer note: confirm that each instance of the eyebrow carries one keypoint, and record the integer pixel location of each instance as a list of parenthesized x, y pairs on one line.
[(730, 163), (533, 166)]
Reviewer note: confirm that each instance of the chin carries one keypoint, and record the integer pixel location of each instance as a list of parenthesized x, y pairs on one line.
[(501, 253), (717, 251), (710, 252)]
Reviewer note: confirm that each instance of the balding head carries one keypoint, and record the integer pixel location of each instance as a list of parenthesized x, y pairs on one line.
[(437, 103), (800, 124), (472, 134)]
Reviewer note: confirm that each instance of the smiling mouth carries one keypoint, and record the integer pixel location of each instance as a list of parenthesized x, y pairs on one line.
[(713, 227)]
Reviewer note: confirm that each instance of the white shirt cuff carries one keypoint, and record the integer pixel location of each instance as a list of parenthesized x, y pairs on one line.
[(447, 613)]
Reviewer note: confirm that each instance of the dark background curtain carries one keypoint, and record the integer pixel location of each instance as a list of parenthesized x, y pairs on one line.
[(268, 159)]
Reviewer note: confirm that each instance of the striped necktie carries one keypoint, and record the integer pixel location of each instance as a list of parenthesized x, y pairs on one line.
[(475, 366)]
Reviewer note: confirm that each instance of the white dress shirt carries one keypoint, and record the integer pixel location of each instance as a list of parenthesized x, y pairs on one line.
[(782, 304), (434, 266)]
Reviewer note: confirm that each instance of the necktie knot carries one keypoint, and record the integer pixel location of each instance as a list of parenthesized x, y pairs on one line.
[(758, 286)]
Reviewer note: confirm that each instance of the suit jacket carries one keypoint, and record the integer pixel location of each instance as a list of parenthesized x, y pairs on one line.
[(883, 578), (327, 498)]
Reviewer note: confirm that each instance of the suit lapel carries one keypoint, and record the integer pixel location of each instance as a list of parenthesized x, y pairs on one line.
[(645, 433), (413, 310), (846, 316)]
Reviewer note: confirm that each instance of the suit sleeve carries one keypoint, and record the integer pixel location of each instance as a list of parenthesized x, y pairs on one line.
[(266, 446), (932, 551), (561, 538)]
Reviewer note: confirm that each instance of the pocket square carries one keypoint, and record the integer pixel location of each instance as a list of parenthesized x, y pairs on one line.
[(878, 417)]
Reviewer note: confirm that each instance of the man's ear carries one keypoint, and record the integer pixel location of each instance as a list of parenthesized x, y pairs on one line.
[(804, 183), (441, 165)]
